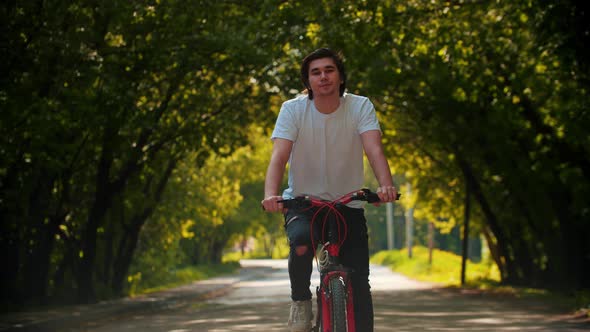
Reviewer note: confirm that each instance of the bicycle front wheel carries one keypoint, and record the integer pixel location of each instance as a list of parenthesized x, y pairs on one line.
[(338, 304)]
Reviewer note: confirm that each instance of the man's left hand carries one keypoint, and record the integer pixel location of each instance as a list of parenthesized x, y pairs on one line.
[(387, 193)]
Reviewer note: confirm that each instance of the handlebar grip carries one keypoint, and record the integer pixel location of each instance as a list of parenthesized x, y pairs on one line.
[(296, 203), (372, 197)]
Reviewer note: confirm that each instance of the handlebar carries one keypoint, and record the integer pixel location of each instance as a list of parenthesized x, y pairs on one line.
[(337, 228), (301, 202)]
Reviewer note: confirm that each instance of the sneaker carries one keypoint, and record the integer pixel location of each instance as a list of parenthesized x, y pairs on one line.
[(300, 316)]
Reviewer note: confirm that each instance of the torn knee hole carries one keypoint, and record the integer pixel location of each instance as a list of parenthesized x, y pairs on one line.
[(300, 250)]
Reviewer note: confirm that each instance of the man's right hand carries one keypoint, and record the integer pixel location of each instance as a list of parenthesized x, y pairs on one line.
[(271, 204)]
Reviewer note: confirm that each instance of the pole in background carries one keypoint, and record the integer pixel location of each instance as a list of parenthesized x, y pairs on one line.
[(465, 232), (430, 241), (390, 227), (409, 225)]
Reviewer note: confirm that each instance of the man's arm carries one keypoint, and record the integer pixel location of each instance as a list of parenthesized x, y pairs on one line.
[(374, 149), (281, 151)]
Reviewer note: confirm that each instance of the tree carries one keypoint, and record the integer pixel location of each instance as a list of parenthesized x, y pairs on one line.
[(118, 94)]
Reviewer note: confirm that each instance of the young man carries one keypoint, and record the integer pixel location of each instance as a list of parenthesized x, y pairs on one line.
[(322, 135)]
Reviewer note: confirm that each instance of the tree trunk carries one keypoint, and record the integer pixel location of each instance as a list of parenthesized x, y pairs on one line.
[(102, 200), (491, 220), (11, 229), (493, 247), (217, 251), (43, 233), (127, 247), (130, 237), (464, 252)]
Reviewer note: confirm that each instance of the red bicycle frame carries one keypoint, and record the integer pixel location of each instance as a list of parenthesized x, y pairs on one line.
[(337, 233), (333, 273)]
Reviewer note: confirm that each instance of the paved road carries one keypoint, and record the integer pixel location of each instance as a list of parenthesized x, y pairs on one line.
[(259, 301)]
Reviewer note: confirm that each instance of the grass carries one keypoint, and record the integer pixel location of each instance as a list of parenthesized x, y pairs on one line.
[(446, 271), (445, 268), (279, 251), (181, 276)]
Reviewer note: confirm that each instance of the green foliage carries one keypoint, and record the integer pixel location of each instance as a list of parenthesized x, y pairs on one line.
[(117, 95), (207, 206), (445, 267)]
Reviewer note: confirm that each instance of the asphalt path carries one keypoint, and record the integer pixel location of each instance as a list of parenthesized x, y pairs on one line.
[(258, 300)]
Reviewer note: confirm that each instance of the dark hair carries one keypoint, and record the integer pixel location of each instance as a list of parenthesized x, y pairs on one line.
[(320, 54)]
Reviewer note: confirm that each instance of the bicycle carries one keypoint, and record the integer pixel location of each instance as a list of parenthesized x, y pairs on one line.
[(334, 294)]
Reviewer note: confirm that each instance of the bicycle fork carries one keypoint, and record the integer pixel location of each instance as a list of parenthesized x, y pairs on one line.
[(325, 303), (334, 275), (335, 304)]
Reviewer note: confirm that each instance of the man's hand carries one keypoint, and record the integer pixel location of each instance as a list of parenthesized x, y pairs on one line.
[(387, 193), (271, 204)]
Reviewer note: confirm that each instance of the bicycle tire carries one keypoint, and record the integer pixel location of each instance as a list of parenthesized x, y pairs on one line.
[(338, 299)]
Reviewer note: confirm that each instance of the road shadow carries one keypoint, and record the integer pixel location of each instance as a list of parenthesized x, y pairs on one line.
[(400, 311), (442, 309)]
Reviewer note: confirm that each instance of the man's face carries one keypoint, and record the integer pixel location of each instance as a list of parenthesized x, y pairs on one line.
[(324, 77)]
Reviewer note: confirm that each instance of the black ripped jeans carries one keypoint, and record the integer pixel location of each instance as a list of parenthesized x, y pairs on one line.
[(354, 254)]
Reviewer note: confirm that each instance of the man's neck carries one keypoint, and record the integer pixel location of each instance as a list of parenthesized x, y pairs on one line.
[(327, 104)]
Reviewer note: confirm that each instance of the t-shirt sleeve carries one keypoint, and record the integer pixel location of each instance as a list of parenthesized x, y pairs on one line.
[(368, 118), (286, 126)]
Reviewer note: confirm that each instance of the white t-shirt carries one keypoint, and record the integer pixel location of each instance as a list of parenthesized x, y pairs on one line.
[(327, 156)]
